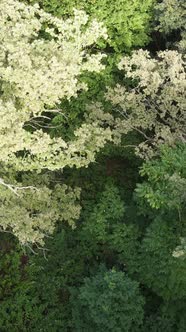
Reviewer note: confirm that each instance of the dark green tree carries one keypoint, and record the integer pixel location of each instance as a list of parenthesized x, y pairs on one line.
[(109, 301)]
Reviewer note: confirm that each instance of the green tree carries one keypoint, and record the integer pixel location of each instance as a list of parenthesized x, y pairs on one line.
[(16, 308), (158, 269), (128, 23), (164, 188), (161, 197), (108, 301), (51, 75)]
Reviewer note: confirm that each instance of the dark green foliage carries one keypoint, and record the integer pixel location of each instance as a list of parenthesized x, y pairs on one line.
[(168, 318), (61, 292), (15, 307), (158, 269), (109, 301), (162, 198), (109, 209)]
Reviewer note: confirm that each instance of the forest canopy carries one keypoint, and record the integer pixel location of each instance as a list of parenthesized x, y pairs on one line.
[(93, 166)]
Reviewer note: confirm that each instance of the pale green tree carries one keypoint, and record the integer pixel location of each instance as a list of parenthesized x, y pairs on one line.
[(153, 104), (36, 73), (171, 16), (41, 58)]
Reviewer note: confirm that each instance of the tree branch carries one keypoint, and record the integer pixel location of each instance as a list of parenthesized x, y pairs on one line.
[(14, 188)]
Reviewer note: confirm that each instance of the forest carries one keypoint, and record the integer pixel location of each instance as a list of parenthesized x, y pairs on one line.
[(93, 166)]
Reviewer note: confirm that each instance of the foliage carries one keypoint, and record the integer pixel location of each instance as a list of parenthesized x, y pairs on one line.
[(109, 301), (154, 106), (70, 256), (168, 318), (121, 265), (166, 179), (33, 212), (41, 48), (35, 288), (13, 285), (158, 269), (51, 75), (171, 15), (128, 23), (128, 26), (109, 209), (164, 189), (144, 253)]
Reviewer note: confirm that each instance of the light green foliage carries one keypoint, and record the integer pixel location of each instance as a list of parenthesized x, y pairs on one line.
[(31, 213), (128, 26), (180, 250), (47, 135), (128, 23), (37, 70), (154, 106), (171, 15), (157, 103), (50, 72), (109, 301)]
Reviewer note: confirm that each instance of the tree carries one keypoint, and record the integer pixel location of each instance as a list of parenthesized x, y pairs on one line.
[(171, 16), (158, 269), (50, 73), (128, 26), (164, 189), (166, 180), (109, 301), (109, 209), (152, 103), (161, 198), (37, 70), (128, 23), (31, 213)]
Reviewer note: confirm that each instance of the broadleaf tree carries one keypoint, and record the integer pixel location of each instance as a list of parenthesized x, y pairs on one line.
[(41, 59), (153, 103)]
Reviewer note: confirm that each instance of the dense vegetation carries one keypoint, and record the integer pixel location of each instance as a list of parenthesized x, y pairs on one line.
[(93, 166)]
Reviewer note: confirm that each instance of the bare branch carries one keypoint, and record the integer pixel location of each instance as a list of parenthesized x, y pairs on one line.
[(14, 188)]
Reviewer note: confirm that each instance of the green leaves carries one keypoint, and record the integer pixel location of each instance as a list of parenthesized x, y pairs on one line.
[(128, 24), (165, 188), (109, 301), (158, 269), (108, 210)]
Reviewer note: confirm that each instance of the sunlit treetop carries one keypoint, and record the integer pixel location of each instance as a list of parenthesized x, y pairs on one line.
[(41, 58)]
